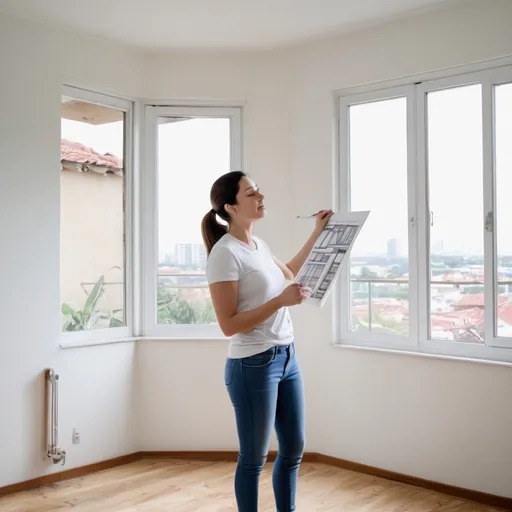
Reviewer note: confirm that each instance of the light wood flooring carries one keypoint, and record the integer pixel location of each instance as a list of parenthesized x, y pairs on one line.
[(192, 486)]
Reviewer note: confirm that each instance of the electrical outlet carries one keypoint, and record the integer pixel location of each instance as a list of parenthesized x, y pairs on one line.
[(76, 436)]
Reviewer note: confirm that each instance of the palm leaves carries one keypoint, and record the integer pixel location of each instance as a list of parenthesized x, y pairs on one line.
[(87, 318)]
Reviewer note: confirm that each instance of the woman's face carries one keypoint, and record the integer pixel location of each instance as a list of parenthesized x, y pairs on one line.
[(249, 201)]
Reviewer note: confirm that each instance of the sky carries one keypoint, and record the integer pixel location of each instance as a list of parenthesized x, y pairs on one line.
[(193, 153)]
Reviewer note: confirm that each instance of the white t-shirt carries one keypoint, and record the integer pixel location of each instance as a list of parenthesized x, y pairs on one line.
[(259, 280)]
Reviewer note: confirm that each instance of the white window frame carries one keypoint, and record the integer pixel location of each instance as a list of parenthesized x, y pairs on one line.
[(369, 339), (494, 78), (152, 329), (416, 90), (95, 336)]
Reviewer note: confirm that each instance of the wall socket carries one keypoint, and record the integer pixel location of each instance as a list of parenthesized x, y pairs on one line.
[(76, 436)]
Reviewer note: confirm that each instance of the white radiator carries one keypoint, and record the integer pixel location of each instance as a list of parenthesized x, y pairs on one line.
[(53, 451)]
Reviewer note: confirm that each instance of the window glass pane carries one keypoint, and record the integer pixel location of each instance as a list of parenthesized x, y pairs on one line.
[(379, 263), (503, 112), (92, 251), (192, 154), (455, 174)]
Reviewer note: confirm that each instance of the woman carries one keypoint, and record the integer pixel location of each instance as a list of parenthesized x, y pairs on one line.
[(251, 300)]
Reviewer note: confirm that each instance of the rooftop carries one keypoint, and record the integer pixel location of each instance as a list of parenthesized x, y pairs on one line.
[(86, 159)]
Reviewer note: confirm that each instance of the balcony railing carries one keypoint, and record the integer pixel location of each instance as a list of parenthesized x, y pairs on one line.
[(372, 282), (181, 286), (352, 280)]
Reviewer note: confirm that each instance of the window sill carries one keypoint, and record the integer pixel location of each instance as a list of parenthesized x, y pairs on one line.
[(182, 338), (405, 352), (81, 344)]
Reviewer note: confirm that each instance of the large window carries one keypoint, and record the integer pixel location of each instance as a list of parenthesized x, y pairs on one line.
[(93, 256), (188, 149), (432, 269), (455, 198), (379, 265)]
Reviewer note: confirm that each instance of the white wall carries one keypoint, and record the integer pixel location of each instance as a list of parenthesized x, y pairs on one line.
[(441, 420), (95, 382)]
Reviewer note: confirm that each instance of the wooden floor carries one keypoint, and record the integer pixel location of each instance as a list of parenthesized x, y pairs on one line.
[(191, 486)]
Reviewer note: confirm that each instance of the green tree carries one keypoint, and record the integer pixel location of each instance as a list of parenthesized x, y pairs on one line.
[(394, 272), (174, 309), (366, 273)]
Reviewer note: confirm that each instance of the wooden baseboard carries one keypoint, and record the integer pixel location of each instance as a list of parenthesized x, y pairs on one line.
[(231, 456), (451, 490), (68, 474), (216, 456)]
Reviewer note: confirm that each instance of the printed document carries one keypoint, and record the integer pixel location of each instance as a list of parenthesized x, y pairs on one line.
[(329, 254)]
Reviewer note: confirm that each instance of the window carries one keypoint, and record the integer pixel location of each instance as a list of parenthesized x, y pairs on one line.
[(455, 198), (432, 268), (188, 149), (93, 256), (379, 263)]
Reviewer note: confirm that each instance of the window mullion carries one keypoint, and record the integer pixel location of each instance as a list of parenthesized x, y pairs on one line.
[(344, 206), (413, 192), (149, 209), (423, 230), (489, 213), (137, 218)]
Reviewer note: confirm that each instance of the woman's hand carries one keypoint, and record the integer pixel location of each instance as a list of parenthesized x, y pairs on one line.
[(294, 294), (322, 218), (296, 263)]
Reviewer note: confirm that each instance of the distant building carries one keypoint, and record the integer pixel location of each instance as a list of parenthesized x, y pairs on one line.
[(392, 248), (192, 255), (438, 247)]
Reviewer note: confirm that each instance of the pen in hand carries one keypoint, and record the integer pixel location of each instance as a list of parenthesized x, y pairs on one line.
[(307, 216), (313, 215)]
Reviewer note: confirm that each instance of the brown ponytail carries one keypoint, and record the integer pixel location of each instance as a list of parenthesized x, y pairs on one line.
[(211, 230), (223, 192)]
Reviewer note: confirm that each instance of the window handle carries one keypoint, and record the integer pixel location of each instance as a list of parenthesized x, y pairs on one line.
[(431, 218), (488, 222)]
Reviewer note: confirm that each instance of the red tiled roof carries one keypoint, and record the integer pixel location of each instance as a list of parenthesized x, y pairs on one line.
[(75, 152), (442, 324), (469, 312), (472, 316), (505, 312), (475, 300), (471, 300)]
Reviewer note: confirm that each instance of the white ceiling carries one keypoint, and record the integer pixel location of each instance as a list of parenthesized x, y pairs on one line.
[(219, 24)]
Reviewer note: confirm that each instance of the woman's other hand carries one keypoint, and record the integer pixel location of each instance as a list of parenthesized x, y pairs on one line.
[(321, 220), (294, 294)]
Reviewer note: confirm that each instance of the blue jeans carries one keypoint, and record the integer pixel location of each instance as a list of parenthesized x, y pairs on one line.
[(266, 391)]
